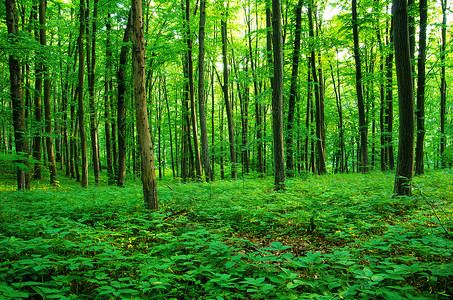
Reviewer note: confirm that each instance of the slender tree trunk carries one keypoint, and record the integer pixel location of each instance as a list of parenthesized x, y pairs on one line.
[(292, 93), (37, 154), (108, 100), (173, 166), (47, 101), (225, 89), (307, 117), (363, 127), (201, 94), (421, 80), (121, 105), (443, 84), (16, 93), (83, 145), (389, 103), (277, 97), (405, 165), (320, 143), (193, 111), (141, 113), (91, 66), (258, 119)]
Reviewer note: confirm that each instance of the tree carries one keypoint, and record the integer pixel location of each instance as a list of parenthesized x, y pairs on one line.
[(91, 66), (16, 94), (277, 95), (363, 127), (201, 95), (141, 112), (443, 82), (80, 113), (47, 103), (319, 102), (225, 89), (405, 160), (121, 105), (292, 93), (191, 91), (421, 82)]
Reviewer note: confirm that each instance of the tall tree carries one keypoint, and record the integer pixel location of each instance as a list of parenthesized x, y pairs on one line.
[(16, 94), (405, 161), (141, 112), (91, 66), (319, 116), (443, 82), (121, 105), (292, 93), (47, 103), (193, 113), (37, 154), (201, 95), (108, 82), (225, 88), (421, 81), (363, 127), (80, 112), (277, 95)]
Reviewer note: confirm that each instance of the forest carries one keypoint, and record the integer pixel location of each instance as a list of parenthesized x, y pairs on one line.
[(234, 149)]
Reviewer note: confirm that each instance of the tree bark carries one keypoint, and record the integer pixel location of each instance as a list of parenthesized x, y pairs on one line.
[(405, 162), (47, 101), (121, 105), (363, 127), (193, 112), (37, 154), (421, 80), (201, 94), (319, 116), (83, 145), (141, 112), (277, 97), (108, 100), (225, 89), (16, 94), (91, 66), (443, 84), (292, 93)]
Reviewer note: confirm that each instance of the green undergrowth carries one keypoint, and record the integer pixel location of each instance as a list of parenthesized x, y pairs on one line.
[(325, 237)]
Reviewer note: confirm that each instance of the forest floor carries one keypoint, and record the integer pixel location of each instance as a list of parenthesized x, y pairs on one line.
[(325, 237)]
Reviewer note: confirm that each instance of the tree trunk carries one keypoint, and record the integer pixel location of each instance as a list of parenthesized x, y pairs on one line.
[(47, 101), (405, 162), (277, 97), (83, 145), (421, 79), (91, 67), (363, 127), (141, 112), (37, 154), (201, 94), (23, 176), (108, 100), (193, 111), (121, 105), (443, 84), (258, 119), (389, 103), (225, 89), (319, 116), (173, 166), (292, 93)]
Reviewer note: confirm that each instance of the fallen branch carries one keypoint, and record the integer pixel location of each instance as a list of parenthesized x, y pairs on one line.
[(175, 214)]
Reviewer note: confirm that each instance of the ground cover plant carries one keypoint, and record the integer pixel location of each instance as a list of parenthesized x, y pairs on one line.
[(325, 237)]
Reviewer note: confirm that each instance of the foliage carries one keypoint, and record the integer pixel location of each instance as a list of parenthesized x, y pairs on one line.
[(329, 237)]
